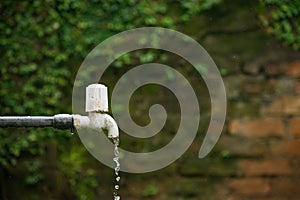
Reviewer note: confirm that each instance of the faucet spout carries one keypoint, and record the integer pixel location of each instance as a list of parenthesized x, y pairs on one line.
[(96, 106), (105, 122)]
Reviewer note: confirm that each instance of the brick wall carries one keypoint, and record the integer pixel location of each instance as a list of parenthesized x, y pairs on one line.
[(265, 147), (258, 154)]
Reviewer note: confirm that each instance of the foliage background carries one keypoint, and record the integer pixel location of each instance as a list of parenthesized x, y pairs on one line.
[(42, 43)]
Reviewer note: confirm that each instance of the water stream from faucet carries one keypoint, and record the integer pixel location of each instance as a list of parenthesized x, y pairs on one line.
[(116, 142)]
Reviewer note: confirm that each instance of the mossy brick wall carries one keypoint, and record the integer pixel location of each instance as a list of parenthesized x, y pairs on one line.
[(258, 153), (264, 142)]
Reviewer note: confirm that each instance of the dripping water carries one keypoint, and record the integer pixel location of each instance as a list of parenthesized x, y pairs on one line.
[(117, 168)]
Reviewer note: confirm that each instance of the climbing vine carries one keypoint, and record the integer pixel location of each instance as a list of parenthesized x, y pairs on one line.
[(282, 19), (42, 43)]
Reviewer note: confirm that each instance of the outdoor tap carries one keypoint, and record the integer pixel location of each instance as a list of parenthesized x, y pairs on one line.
[(97, 119), (97, 108)]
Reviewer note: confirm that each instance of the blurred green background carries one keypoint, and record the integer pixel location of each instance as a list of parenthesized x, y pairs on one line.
[(42, 44)]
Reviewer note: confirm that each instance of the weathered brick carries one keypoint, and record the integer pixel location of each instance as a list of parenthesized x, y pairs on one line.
[(238, 146), (277, 197), (285, 86), (241, 85), (297, 87), (289, 187), (286, 105), (274, 108), (294, 69), (250, 186), (265, 167), (252, 88), (289, 147), (279, 87), (270, 86), (275, 69), (206, 167), (292, 105), (188, 188), (294, 126), (252, 68), (244, 108), (257, 127)]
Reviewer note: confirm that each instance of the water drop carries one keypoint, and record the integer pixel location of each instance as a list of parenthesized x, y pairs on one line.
[(117, 166), (116, 196)]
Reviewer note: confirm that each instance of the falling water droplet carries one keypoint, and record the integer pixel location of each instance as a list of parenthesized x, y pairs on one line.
[(117, 168), (116, 196)]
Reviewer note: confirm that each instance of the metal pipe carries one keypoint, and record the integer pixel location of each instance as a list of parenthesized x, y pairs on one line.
[(96, 106), (60, 121)]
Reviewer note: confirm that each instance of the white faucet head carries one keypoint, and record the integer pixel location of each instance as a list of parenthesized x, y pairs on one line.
[(96, 98), (96, 106)]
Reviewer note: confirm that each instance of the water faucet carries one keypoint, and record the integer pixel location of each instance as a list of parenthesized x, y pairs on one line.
[(97, 119), (97, 107)]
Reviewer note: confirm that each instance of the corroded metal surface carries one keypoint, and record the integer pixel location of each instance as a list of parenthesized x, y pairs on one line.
[(61, 121)]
